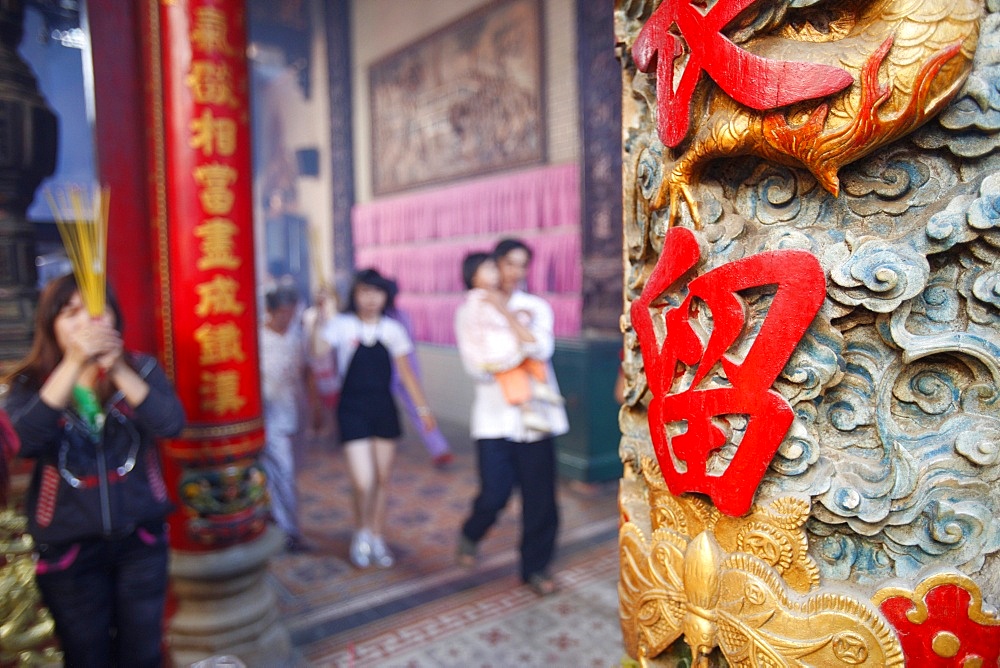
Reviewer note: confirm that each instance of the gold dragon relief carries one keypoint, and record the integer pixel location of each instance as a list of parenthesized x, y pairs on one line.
[(823, 91), (742, 588), (745, 585)]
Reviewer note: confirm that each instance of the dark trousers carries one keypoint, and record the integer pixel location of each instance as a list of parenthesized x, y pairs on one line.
[(532, 467), (108, 601)]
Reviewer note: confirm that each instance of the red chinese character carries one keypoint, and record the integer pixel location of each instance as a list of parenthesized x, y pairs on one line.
[(683, 457), (757, 82)]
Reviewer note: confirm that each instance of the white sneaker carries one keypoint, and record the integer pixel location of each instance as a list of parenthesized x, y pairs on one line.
[(361, 549), (381, 556), (545, 393), (532, 420)]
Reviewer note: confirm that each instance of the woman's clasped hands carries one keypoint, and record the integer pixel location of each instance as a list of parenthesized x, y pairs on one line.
[(94, 341)]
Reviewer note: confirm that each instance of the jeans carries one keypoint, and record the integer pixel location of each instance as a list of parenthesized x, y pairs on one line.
[(107, 597), (532, 467), (278, 460)]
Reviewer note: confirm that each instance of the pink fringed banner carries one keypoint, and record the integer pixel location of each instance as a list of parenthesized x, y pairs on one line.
[(534, 199), (420, 241), (437, 267)]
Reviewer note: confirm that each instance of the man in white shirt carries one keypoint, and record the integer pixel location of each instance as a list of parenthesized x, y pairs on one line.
[(510, 453), (283, 374)]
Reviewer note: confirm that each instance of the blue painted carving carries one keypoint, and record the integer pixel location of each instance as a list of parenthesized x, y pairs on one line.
[(968, 128), (896, 386)]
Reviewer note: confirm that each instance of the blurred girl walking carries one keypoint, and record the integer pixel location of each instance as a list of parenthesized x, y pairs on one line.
[(369, 345)]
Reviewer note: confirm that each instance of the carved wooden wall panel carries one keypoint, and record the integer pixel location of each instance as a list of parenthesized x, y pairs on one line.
[(811, 434)]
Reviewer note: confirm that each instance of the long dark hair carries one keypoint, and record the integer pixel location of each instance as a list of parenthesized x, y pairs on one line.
[(45, 353)]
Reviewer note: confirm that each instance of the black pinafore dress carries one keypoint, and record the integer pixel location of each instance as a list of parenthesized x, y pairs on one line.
[(366, 405)]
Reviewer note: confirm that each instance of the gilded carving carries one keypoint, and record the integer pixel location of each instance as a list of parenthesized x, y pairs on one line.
[(27, 632), (774, 534), (889, 468), (742, 584), (906, 60)]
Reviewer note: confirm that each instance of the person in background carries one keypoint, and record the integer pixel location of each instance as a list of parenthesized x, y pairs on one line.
[(496, 335), (369, 346), (322, 361), (434, 441), (88, 413), (509, 452), (284, 375)]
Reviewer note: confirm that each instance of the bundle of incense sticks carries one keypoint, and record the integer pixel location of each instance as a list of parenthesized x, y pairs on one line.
[(82, 220)]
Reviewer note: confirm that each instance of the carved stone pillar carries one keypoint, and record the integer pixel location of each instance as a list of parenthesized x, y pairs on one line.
[(811, 435), (202, 211), (27, 155)]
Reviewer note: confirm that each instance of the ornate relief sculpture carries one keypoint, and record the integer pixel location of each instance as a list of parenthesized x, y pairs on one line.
[(812, 330), (799, 290), (737, 584), (27, 631), (942, 623), (784, 110)]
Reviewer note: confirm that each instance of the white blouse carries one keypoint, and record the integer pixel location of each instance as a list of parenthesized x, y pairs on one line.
[(347, 331), (492, 416)]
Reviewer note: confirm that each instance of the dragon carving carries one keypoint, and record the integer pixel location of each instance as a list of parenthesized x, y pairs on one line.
[(886, 475), (810, 83)]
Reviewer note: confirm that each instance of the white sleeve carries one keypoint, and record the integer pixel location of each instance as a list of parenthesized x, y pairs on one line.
[(467, 336), (499, 347), (395, 338), (329, 332), (338, 334), (541, 325)]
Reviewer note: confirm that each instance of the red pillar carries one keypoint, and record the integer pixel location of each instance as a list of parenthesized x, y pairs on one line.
[(201, 204), (174, 142), (120, 137)]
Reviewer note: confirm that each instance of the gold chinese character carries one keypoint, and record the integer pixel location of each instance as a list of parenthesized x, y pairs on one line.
[(210, 32), (210, 134), (220, 343), (212, 83), (216, 197), (218, 296), (217, 244), (220, 392)]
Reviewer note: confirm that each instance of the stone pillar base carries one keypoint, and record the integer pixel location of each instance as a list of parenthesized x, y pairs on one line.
[(225, 605)]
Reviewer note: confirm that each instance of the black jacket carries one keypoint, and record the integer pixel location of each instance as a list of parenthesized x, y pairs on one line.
[(86, 486)]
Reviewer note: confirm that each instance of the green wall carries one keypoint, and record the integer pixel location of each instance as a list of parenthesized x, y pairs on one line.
[(587, 369)]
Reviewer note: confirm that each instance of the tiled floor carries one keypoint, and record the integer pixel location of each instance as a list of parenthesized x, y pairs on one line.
[(427, 612)]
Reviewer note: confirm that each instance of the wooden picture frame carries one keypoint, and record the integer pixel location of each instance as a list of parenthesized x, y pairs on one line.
[(466, 100)]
